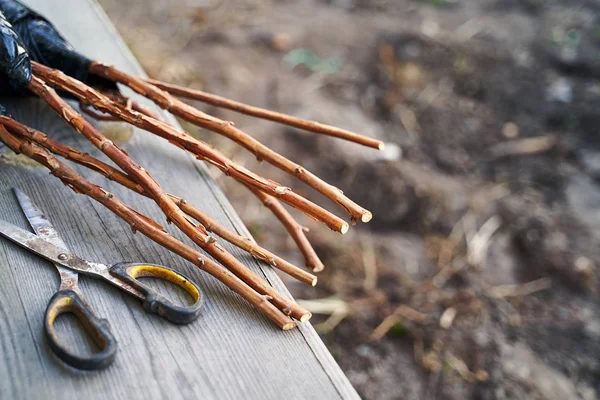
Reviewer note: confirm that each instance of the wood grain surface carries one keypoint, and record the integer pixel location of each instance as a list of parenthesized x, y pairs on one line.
[(230, 352)]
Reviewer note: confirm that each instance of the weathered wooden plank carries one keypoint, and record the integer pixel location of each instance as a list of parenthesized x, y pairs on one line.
[(230, 352)]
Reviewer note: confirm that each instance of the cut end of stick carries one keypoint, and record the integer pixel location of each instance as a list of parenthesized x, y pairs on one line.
[(381, 146), (344, 228), (366, 217), (314, 281), (318, 268), (306, 317), (289, 326)]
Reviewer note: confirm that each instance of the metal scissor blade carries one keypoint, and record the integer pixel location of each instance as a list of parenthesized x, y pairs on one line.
[(38, 221), (49, 250)]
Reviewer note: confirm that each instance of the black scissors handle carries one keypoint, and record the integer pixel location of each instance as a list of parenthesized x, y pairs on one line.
[(155, 302), (97, 329)]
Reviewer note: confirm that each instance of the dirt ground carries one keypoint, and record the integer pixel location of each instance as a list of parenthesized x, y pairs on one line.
[(477, 277)]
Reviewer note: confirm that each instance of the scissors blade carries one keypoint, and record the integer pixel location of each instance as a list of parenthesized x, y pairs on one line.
[(50, 251), (38, 221), (44, 229)]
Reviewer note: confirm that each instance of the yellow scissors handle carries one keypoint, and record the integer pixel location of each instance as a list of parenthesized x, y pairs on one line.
[(98, 329), (155, 302)]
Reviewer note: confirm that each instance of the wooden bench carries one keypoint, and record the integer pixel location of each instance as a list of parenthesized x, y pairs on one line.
[(230, 352)]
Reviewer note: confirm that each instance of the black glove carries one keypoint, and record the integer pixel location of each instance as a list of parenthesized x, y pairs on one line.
[(15, 65), (46, 46)]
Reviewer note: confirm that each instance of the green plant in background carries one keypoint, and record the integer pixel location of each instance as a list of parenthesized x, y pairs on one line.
[(437, 3), (571, 122), (313, 62), (573, 38), (398, 330), (570, 38)]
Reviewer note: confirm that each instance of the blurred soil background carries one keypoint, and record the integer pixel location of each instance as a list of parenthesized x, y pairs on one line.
[(477, 277)]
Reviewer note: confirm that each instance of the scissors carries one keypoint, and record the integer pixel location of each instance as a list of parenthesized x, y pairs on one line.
[(69, 299)]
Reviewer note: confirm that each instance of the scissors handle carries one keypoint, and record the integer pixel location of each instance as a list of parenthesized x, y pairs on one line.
[(98, 329), (155, 302)]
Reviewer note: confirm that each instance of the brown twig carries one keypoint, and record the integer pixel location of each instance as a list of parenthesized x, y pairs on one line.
[(337, 309), (262, 152), (196, 233), (525, 289), (115, 175), (119, 98), (527, 146), (89, 110), (145, 225), (247, 244), (295, 230), (401, 312), (129, 103), (185, 141), (222, 102)]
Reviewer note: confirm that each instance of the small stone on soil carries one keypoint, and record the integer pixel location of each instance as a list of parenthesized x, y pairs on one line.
[(510, 130)]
